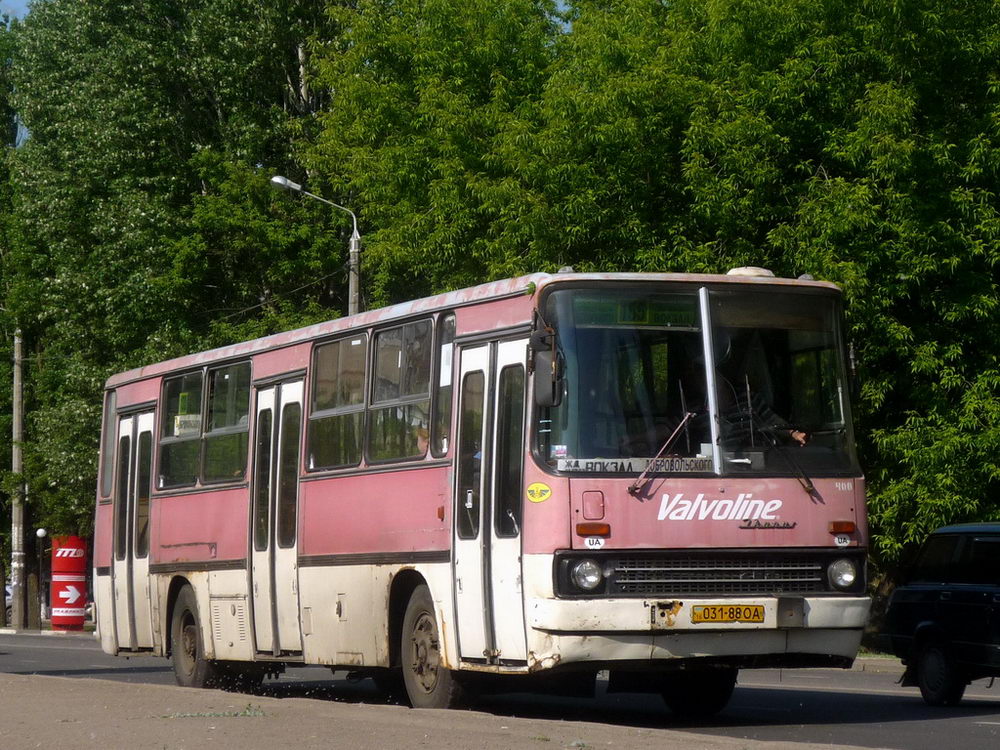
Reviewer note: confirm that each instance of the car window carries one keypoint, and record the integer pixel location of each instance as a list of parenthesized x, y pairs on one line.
[(980, 561), (935, 564)]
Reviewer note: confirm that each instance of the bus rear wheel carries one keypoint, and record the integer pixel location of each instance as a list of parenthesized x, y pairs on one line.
[(191, 668), (428, 683), (699, 694)]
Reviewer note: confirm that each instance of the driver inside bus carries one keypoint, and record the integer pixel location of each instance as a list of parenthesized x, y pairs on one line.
[(742, 408)]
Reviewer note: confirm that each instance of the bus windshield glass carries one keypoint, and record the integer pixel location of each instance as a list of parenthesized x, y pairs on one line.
[(637, 366)]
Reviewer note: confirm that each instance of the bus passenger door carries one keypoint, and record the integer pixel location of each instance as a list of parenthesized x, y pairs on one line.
[(469, 573), (488, 598), (507, 470), (274, 519), (130, 572)]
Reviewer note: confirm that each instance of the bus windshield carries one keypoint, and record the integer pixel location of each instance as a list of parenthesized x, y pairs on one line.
[(639, 365)]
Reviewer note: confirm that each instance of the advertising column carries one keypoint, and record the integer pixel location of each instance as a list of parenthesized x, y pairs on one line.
[(69, 582)]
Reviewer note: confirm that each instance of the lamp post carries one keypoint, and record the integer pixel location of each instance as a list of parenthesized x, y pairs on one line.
[(354, 248), (17, 614)]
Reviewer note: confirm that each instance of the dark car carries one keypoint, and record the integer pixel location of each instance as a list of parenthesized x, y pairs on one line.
[(944, 621)]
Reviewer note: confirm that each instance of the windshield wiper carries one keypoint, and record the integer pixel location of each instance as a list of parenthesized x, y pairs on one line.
[(768, 432), (633, 489), (782, 451)]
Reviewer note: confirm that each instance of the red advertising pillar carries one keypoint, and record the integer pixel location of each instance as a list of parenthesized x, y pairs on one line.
[(69, 582)]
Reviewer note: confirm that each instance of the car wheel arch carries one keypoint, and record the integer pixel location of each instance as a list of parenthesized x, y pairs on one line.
[(925, 632)]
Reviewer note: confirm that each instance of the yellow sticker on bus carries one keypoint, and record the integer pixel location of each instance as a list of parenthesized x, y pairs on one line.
[(539, 492)]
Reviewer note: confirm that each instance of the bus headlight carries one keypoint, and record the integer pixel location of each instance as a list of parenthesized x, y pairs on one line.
[(842, 574), (586, 575)]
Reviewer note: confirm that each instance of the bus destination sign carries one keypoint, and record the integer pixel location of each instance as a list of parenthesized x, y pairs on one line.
[(665, 465)]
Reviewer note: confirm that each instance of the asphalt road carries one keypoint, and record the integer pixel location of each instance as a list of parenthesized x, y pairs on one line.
[(861, 707)]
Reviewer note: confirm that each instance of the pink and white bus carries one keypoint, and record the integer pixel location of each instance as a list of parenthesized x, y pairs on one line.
[(648, 475)]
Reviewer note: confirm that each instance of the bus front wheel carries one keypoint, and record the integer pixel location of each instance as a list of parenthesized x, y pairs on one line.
[(191, 668), (699, 694), (428, 683)]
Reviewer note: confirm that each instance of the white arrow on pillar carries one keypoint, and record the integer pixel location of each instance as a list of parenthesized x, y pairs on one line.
[(70, 594)]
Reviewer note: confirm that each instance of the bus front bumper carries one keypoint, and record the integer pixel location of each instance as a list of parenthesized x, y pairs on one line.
[(795, 631), (643, 615)]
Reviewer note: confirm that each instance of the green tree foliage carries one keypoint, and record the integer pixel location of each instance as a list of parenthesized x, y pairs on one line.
[(850, 139), (856, 141), (425, 99), (141, 199)]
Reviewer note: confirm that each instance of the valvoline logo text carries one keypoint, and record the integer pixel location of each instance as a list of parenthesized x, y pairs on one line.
[(744, 508)]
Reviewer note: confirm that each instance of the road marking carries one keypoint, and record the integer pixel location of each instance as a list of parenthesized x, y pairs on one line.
[(41, 647), (858, 691)]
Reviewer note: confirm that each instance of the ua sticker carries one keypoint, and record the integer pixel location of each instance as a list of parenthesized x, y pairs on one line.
[(539, 492)]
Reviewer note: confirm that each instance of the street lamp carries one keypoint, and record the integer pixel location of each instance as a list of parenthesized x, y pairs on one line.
[(354, 248)]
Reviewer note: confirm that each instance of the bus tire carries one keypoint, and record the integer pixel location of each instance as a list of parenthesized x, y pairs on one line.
[(699, 694), (187, 649), (428, 683), (939, 680)]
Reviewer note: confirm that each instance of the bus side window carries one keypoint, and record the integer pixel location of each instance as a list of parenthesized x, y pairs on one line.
[(142, 490), (227, 432), (336, 420), (108, 444), (288, 473), (441, 424), (121, 498), (510, 450), (470, 455), (180, 438), (401, 392)]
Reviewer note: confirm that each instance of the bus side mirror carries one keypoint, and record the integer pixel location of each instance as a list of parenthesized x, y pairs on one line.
[(548, 379), (541, 340)]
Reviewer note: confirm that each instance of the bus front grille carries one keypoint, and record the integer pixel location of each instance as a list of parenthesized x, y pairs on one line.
[(674, 576)]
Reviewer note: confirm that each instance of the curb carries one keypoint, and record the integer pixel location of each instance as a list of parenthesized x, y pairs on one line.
[(56, 633), (886, 665)]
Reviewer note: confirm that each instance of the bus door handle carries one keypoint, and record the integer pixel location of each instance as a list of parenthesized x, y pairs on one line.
[(468, 499), (513, 520)]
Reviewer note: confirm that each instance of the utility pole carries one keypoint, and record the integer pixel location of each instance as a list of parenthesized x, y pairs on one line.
[(354, 248), (17, 509), (354, 273)]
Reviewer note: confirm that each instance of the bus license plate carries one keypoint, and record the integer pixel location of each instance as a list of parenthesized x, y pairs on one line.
[(727, 613)]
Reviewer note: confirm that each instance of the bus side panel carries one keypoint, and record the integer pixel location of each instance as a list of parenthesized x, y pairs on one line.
[(139, 392), (270, 364), (499, 314), (103, 596), (204, 527), (345, 612), (103, 526), (229, 615), (343, 620), (365, 530), (547, 519), (376, 514)]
